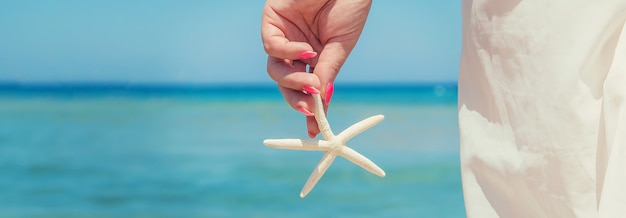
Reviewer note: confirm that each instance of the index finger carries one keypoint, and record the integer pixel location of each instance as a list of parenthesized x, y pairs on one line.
[(275, 41)]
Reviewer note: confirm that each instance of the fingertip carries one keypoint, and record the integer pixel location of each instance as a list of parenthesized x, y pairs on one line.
[(307, 54), (310, 89), (311, 124), (330, 88)]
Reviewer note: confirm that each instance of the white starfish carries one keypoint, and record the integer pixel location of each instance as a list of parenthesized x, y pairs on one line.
[(332, 145)]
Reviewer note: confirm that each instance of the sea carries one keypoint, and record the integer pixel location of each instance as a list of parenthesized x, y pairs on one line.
[(172, 150)]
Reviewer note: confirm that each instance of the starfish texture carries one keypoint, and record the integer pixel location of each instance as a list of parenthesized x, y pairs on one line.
[(332, 145)]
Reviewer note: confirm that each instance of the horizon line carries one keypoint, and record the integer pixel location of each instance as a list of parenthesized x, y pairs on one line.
[(128, 84)]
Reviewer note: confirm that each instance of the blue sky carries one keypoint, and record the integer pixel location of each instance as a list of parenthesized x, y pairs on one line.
[(143, 41)]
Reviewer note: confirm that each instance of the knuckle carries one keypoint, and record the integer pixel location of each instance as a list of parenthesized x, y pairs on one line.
[(267, 47)]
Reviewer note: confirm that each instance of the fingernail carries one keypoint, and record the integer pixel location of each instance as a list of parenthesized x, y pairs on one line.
[(311, 135), (305, 111), (307, 54), (311, 89), (330, 88)]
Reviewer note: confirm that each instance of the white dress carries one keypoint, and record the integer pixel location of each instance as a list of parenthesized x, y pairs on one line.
[(542, 108)]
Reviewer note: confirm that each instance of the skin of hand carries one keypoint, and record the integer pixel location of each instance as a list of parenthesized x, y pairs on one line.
[(315, 33)]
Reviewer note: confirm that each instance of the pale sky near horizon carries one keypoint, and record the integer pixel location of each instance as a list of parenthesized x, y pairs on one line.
[(209, 42)]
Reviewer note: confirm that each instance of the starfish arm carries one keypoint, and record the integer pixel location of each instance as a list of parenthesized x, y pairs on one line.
[(320, 117), (359, 127), (318, 172), (297, 144), (361, 160)]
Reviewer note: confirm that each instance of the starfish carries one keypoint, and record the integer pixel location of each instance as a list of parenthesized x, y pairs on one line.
[(332, 145)]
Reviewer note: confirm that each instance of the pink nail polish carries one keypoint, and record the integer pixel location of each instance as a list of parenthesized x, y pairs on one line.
[(305, 111), (330, 88), (310, 89), (307, 54)]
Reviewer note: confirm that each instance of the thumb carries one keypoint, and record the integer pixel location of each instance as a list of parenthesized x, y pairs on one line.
[(328, 65), (330, 60)]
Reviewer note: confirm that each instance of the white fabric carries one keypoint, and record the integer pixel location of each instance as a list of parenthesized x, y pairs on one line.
[(542, 108)]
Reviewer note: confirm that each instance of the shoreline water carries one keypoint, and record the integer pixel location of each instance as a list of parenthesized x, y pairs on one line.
[(98, 151)]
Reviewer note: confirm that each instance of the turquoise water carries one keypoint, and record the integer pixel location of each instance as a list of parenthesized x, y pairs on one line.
[(177, 151)]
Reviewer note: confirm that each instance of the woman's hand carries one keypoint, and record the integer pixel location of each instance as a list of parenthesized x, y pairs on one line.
[(315, 33)]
